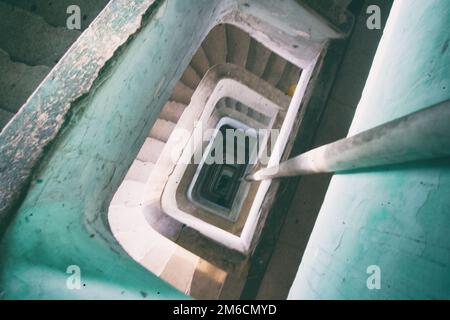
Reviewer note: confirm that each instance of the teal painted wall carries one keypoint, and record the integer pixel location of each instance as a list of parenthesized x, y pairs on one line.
[(396, 217), (63, 219)]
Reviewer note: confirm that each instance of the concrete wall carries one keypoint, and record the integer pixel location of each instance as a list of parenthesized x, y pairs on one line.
[(395, 217)]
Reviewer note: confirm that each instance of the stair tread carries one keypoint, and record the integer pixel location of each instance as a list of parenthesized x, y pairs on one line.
[(28, 38), (182, 93), (151, 150), (257, 58), (242, 108), (290, 77), (172, 111), (200, 62), (222, 103), (129, 194), (274, 69), (139, 171), (18, 81), (162, 129), (231, 103), (190, 78), (180, 278), (238, 44), (215, 45)]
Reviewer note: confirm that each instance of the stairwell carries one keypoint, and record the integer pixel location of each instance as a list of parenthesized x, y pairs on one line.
[(224, 44), (33, 38), (183, 269)]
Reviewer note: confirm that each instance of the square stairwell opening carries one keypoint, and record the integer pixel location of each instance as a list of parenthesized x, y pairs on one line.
[(257, 85), (218, 184), (215, 194)]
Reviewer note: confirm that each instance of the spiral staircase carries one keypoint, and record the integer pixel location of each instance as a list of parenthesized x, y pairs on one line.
[(183, 269), (224, 44)]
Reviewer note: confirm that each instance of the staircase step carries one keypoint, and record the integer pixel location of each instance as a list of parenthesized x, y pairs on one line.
[(151, 150), (274, 69), (55, 12), (179, 270), (221, 104), (291, 75), (190, 78), (231, 103), (242, 108), (139, 171), (215, 45), (29, 39), (18, 81), (5, 116), (238, 43), (161, 251), (182, 93), (208, 281), (162, 129), (200, 62), (172, 111), (257, 58), (129, 194)]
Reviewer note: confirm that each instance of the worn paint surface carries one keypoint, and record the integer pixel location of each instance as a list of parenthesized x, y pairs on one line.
[(23, 141), (395, 217), (62, 220)]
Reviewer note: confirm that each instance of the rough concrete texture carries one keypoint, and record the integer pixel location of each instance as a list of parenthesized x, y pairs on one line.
[(29, 39), (238, 43), (394, 217), (215, 45), (258, 57), (17, 82)]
